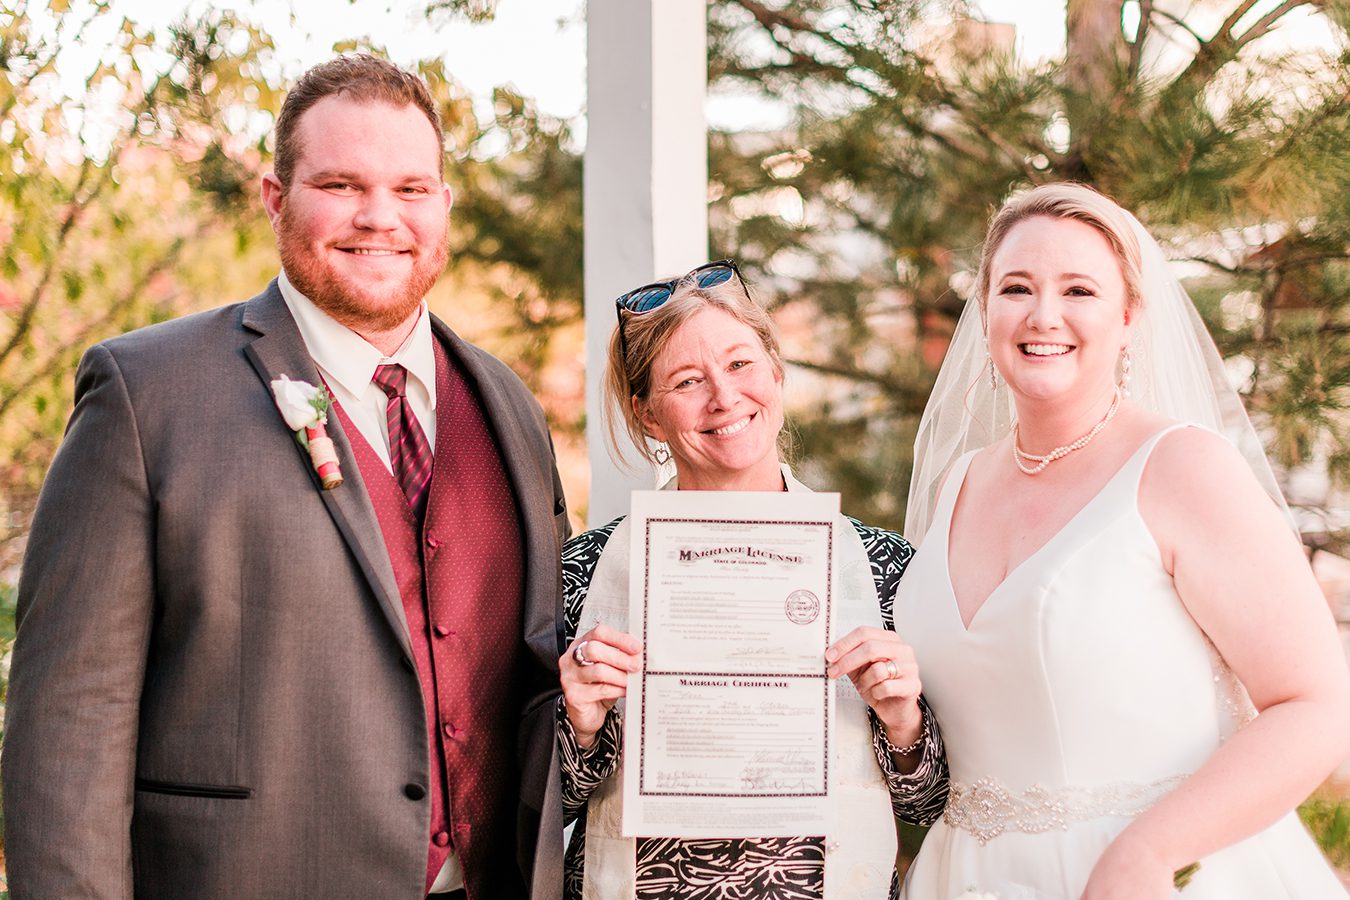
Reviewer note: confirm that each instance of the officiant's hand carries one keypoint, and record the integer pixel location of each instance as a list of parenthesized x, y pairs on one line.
[(883, 669), (594, 673)]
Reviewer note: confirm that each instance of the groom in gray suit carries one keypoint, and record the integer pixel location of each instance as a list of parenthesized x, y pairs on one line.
[(233, 679)]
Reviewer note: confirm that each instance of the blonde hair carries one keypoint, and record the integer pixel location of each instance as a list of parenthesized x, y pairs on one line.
[(644, 335), (1068, 200)]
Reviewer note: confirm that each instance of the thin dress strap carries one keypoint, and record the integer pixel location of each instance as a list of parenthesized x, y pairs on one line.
[(956, 476), (1130, 474)]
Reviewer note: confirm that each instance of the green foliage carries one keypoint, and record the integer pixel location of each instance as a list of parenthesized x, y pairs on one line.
[(903, 137), (8, 603), (1328, 818), (122, 205), (518, 212), (9, 600), (118, 213), (859, 221)]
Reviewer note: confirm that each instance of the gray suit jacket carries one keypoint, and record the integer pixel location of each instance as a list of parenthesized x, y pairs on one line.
[(213, 692)]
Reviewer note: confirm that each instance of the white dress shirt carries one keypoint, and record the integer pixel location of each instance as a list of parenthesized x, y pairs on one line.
[(347, 362)]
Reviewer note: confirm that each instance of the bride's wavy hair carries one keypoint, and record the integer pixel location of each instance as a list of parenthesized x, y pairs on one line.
[(628, 370), (1067, 200)]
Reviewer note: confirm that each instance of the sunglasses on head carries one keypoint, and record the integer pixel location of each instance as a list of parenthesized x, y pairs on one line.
[(653, 296)]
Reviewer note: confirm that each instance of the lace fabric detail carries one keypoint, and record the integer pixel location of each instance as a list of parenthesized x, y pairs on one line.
[(986, 808)]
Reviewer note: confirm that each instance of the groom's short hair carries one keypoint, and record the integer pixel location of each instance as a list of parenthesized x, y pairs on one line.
[(360, 77)]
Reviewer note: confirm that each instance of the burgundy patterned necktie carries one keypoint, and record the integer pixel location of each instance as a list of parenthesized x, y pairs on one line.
[(409, 452)]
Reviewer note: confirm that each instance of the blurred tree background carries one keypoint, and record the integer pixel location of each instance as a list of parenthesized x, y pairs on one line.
[(907, 121), (133, 199), (858, 220), (911, 123)]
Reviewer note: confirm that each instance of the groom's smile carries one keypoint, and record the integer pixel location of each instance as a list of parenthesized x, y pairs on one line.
[(361, 228)]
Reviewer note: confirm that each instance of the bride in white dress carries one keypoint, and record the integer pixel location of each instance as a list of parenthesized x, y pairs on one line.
[(1097, 584)]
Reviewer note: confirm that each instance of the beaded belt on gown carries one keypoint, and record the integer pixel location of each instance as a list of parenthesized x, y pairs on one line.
[(987, 808)]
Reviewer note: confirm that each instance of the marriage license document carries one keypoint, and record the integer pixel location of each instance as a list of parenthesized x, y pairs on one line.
[(727, 727)]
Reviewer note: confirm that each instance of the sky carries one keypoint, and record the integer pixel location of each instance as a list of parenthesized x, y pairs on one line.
[(539, 46)]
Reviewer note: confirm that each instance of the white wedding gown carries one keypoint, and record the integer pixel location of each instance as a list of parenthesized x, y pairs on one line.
[(1080, 694)]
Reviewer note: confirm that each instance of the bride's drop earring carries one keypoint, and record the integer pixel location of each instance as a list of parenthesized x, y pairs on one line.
[(1126, 363), (989, 361)]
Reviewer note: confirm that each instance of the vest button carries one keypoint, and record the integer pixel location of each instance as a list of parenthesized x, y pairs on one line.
[(414, 791), (442, 631), (449, 729), (432, 541), (441, 838)]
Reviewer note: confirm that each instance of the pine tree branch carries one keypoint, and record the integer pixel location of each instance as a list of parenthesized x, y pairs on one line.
[(1266, 22), (1178, 22), (1018, 160), (1140, 36), (805, 64), (975, 121), (909, 397), (1290, 140), (769, 18), (1265, 266), (801, 65), (1224, 47), (1234, 17), (852, 373)]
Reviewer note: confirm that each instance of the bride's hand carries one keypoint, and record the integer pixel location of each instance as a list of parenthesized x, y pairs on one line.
[(1128, 870), (882, 668), (595, 676)]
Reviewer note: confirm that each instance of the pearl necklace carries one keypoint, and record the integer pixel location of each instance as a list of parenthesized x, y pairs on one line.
[(1064, 450)]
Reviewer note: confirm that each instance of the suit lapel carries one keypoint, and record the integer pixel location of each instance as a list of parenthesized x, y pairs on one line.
[(531, 480), (279, 350)]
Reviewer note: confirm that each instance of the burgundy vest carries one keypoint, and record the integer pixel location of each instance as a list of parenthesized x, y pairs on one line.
[(461, 578)]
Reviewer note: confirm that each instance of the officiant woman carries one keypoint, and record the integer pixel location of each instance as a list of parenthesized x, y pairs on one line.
[(694, 366)]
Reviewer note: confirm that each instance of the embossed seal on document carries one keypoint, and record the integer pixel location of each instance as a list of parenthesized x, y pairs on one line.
[(802, 607)]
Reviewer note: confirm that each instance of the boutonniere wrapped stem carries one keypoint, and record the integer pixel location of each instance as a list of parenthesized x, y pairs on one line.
[(305, 408)]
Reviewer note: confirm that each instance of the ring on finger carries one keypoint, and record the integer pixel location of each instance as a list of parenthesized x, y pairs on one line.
[(891, 670), (579, 655)]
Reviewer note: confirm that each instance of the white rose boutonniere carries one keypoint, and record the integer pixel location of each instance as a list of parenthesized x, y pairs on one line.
[(304, 406)]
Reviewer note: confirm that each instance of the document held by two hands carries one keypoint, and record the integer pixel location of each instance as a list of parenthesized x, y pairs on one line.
[(727, 726)]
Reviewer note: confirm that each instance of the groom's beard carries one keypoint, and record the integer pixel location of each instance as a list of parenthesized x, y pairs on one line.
[(360, 307)]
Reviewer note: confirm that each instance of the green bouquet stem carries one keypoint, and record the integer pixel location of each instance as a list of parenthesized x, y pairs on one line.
[(1183, 876)]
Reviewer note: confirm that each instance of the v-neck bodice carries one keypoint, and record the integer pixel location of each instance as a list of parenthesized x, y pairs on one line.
[(1126, 478), (1088, 623)]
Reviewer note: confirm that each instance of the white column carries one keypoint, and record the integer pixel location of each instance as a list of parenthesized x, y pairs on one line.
[(646, 183)]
